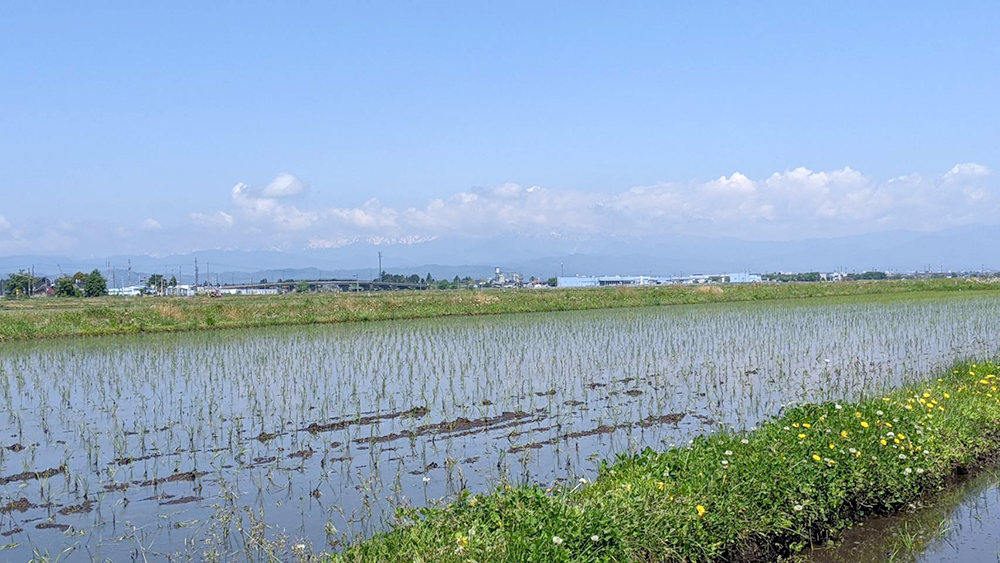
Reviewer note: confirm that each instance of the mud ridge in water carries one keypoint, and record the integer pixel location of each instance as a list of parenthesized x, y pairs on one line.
[(186, 476), (29, 475), (460, 424), (415, 412), (673, 418), (122, 461), (76, 509), (21, 505), (182, 500)]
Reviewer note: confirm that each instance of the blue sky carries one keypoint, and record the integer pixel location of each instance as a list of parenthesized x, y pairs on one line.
[(126, 127)]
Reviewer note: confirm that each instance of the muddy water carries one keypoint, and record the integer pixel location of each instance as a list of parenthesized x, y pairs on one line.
[(184, 446), (959, 525)]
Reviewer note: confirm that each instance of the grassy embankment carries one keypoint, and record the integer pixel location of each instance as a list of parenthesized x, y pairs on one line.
[(762, 495), (38, 318)]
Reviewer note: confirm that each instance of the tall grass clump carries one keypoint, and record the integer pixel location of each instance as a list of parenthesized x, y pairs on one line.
[(770, 492)]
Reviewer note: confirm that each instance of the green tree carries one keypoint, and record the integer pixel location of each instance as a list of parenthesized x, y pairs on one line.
[(95, 285), (173, 281), (302, 287), (66, 288), (19, 284), (155, 281), (553, 282)]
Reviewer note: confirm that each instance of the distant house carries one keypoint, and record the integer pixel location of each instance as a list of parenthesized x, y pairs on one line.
[(249, 291), (130, 291), (744, 277), (601, 281), (182, 291)]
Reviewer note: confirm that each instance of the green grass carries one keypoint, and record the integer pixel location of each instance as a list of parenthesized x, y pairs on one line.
[(40, 318), (794, 482)]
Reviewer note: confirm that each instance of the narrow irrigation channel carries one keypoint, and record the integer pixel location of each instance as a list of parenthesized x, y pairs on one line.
[(959, 524), (239, 445)]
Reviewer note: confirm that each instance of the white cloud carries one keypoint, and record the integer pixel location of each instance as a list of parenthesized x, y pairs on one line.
[(968, 170), (219, 219), (791, 204), (283, 185)]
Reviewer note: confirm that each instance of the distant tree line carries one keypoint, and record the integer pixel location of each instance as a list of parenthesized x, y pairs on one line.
[(23, 284), (801, 277), (815, 276)]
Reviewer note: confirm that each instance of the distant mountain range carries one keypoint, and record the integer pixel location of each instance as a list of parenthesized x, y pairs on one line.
[(968, 248)]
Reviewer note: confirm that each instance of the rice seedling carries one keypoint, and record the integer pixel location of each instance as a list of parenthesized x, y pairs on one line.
[(323, 434)]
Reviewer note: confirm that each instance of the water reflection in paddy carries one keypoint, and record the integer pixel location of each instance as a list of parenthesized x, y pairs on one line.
[(145, 446)]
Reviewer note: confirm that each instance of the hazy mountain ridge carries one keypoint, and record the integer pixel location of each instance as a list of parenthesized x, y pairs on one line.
[(968, 248)]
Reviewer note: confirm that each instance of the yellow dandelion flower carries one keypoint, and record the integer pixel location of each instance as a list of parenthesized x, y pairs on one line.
[(802, 436), (816, 457), (701, 510), (864, 424)]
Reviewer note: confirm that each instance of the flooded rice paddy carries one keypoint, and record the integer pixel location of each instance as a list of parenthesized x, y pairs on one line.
[(195, 446)]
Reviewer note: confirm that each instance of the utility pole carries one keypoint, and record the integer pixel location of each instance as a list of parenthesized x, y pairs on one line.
[(130, 271), (196, 273), (379, 265), (562, 270), (208, 273)]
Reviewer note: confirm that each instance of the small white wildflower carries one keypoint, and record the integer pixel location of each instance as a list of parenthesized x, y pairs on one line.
[(880, 413), (853, 451), (798, 508), (891, 435), (907, 471), (744, 441), (427, 479), (838, 406), (595, 537), (557, 540), (583, 480), (902, 456), (725, 462), (920, 470), (729, 452)]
